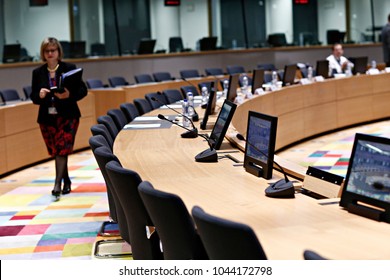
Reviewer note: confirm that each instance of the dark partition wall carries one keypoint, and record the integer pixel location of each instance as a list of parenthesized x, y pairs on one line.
[(305, 22), (232, 23)]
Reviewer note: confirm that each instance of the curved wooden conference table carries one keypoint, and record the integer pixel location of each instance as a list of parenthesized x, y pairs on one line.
[(285, 227)]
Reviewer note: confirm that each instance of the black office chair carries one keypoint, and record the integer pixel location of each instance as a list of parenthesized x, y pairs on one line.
[(98, 49), (213, 71), (27, 90), (241, 79), (118, 117), (185, 89), (142, 105), (162, 76), (267, 66), (227, 240), (117, 81), (110, 124), (103, 155), (156, 104), (96, 141), (334, 36), (94, 83), (145, 242), (65, 48), (130, 111), (175, 44), (172, 95), (143, 78), (277, 40), (189, 73), (311, 255), (101, 129), (10, 95), (204, 84), (235, 69), (267, 77), (174, 224)]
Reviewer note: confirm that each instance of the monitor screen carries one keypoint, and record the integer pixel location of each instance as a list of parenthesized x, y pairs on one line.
[(322, 68), (368, 176), (11, 53), (257, 79), (359, 64), (77, 49), (233, 84), (210, 106), (146, 46), (289, 74), (222, 124), (260, 147)]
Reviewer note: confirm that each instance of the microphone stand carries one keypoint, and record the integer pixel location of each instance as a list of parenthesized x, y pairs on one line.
[(208, 155), (283, 187), (195, 116)]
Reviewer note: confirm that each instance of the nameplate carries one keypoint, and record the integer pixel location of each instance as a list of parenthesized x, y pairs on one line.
[(304, 81), (319, 79), (323, 183)]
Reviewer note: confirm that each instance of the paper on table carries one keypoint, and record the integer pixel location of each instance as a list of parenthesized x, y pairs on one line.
[(144, 118), (174, 106), (144, 125)]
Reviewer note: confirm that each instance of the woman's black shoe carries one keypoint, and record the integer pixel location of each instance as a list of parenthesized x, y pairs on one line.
[(55, 193), (67, 189)]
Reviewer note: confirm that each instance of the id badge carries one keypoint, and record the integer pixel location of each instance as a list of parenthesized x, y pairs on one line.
[(52, 110)]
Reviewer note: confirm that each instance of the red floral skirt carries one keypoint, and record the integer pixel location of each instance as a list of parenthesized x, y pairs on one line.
[(59, 136)]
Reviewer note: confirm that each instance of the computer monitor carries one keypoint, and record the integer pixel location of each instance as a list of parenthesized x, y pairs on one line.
[(232, 90), (366, 189), (208, 43), (210, 106), (322, 68), (289, 74), (260, 147), (222, 124), (257, 79), (11, 53), (359, 64), (146, 46)]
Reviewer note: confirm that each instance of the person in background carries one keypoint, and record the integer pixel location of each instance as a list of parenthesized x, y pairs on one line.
[(337, 62), (386, 42), (59, 113)]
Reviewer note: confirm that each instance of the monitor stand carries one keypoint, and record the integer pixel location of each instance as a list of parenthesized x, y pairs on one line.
[(365, 211)]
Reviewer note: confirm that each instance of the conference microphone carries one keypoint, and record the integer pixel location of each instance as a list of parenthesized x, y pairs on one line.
[(283, 187), (191, 133), (209, 155), (195, 116)]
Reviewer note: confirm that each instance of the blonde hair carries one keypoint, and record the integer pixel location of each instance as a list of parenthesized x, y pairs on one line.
[(50, 41)]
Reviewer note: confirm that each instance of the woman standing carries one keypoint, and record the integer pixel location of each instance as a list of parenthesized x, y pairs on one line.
[(59, 114)]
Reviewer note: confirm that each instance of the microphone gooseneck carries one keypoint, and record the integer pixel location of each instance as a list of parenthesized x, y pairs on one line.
[(191, 133), (282, 188)]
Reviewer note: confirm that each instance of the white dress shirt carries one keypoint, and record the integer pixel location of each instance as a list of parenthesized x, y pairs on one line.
[(335, 65)]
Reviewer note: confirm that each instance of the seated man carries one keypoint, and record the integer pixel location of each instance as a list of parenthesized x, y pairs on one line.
[(337, 62)]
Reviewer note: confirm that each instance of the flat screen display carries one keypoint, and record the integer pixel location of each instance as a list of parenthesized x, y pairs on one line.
[(260, 147), (11, 53), (289, 74), (233, 84), (146, 46), (359, 64), (222, 123), (322, 68), (257, 79), (368, 175)]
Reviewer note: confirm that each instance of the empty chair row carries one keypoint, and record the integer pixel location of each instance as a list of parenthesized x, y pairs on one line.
[(13, 95)]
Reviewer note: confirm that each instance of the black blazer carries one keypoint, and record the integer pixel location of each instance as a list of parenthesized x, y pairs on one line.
[(66, 108)]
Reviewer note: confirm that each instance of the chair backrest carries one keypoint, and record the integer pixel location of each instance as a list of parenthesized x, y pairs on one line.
[(267, 66), (213, 71), (311, 255), (27, 90), (162, 76), (267, 77), (143, 78), (172, 95), (117, 81), (174, 224), (110, 124), (277, 39), (126, 183), (94, 83), (101, 129), (98, 49), (225, 239), (235, 69), (103, 155), (185, 89), (204, 84), (96, 141), (334, 36), (189, 73), (175, 44), (241, 78), (10, 95), (118, 117), (130, 111), (156, 104), (142, 105)]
